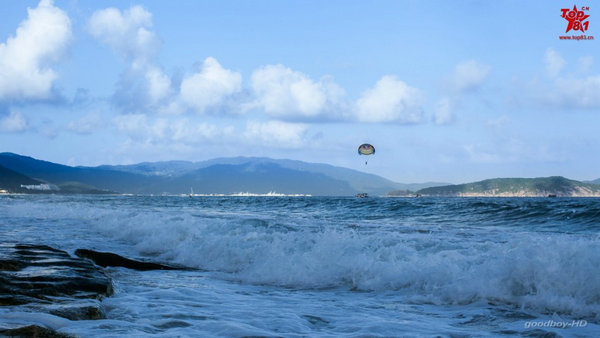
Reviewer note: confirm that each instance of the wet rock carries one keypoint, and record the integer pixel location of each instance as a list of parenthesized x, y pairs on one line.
[(40, 271), (79, 310), (33, 331), (105, 259), (40, 278)]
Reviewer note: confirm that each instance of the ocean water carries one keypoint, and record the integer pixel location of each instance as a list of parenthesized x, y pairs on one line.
[(325, 266)]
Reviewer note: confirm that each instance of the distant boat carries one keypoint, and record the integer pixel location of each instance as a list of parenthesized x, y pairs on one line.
[(551, 195), (362, 195), (191, 192)]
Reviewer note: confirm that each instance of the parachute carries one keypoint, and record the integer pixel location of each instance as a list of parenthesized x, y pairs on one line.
[(366, 149)]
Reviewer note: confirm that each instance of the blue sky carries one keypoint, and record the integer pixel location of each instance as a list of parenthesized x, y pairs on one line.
[(445, 91)]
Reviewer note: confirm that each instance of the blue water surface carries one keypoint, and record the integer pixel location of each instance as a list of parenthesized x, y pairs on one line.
[(326, 266)]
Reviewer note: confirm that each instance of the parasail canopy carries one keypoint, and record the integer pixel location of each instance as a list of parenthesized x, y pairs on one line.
[(366, 149)]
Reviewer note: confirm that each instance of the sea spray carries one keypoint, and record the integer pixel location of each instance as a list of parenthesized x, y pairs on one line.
[(544, 272), (407, 259)]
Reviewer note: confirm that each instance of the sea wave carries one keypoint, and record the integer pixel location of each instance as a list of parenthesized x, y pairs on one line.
[(428, 251), (545, 272)]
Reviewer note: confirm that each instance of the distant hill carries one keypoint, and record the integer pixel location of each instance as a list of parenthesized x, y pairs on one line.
[(596, 181), (164, 168), (90, 178), (23, 174), (14, 182), (410, 189), (517, 187), (357, 181), (260, 178), (218, 176)]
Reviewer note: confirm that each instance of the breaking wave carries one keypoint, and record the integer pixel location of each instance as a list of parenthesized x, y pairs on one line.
[(516, 252)]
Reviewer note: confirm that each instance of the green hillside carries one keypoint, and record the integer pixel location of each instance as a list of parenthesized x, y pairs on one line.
[(80, 188), (541, 186), (596, 181)]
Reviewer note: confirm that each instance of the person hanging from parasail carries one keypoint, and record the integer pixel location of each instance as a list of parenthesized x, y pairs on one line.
[(366, 149)]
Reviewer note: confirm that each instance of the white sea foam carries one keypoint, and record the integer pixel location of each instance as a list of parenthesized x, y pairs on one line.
[(542, 272), (405, 267), (248, 194)]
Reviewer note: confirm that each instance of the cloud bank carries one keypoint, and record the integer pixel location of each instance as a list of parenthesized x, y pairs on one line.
[(27, 57), (209, 87), (275, 91), (575, 89), (276, 134), (391, 100), (287, 94), (468, 76), (129, 34)]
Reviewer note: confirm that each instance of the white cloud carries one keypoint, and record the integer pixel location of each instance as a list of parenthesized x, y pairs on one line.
[(162, 130), (554, 62), (284, 93), (25, 59), (576, 92), (571, 91), (276, 134), (391, 100), (158, 85), (469, 76), (144, 85), (209, 87), (184, 131), (13, 123), (133, 125), (127, 33), (175, 134)]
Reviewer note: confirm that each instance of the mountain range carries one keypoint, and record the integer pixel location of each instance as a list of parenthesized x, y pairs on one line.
[(254, 175), (217, 176)]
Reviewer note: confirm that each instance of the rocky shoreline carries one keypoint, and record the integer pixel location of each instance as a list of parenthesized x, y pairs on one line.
[(42, 279), (39, 279)]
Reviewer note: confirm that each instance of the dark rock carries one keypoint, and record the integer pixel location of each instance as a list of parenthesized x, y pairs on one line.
[(105, 259), (41, 271), (48, 280), (33, 331), (78, 311)]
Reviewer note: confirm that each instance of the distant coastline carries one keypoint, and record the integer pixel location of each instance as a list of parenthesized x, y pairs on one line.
[(248, 176), (554, 186)]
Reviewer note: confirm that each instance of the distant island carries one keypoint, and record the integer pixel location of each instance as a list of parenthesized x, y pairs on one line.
[(249, 176), (555, 186)]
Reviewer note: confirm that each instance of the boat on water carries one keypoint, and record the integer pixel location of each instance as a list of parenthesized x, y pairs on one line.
[(362, 195)]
